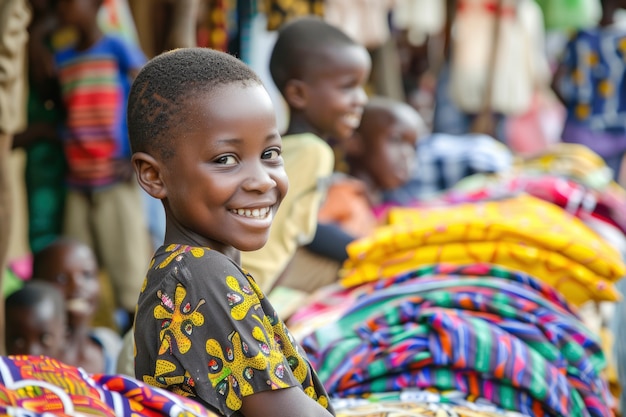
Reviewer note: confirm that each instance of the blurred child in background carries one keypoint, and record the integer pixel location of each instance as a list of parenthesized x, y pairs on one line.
[(321, 73), (104, 203), (35, 321), (72, 268)]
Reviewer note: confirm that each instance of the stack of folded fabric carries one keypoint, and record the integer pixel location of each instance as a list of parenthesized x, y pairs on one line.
[(522, 233), (569, 176), (478, 336), (469, 304)]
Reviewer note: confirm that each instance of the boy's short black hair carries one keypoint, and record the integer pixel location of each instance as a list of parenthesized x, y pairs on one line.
[(298, 47), (166, 83)]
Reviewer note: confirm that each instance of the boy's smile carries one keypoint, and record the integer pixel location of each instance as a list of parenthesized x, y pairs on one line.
[(226, 178)]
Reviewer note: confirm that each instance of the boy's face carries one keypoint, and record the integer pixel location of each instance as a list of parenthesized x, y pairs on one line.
[(226, 179), (390, 151), (37, 330), (335, 94), (74, 271)]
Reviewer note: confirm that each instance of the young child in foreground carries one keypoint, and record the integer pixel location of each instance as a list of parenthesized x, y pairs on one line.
[(205, 142)]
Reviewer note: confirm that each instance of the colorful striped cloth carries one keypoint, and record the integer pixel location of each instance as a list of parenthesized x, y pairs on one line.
[(40, 387), (499, 338), (329, 303)]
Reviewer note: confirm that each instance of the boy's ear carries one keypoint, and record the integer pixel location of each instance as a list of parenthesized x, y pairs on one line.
[(296, 94), (148, 173)]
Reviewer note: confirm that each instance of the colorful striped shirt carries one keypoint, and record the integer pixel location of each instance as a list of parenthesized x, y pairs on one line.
[(95, 85)]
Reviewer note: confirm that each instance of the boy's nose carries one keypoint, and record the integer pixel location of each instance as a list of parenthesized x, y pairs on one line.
[(361, 97), (259, 179)]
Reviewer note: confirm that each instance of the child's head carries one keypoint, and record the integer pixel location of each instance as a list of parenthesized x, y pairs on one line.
[(81, 14), (35, 320), (41, 7), (71, 266), (320, 72), (382, 150), (204, 138)]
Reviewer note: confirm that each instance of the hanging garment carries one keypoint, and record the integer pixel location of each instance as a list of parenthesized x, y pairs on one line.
[(419, 18), (365, 21), (519, 64)]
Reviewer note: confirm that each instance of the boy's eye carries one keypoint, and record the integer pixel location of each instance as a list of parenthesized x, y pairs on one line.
[(271, 154), (226, 160)]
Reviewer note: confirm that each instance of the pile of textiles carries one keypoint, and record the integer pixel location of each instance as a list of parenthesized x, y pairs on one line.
[(478, 335), (569, 176), (521, 232), (470, 304), (40, 386)]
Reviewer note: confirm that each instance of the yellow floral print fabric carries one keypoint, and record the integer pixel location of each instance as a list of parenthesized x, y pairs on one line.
[(204, 330), (522, 233)]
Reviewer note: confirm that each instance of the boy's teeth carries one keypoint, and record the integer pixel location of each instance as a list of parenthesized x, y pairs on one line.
[(252, 213)]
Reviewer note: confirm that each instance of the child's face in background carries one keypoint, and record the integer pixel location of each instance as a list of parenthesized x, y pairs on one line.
[(390, 146), (226, 179), (74, 271), (77, 12), (36, 330), (335, 94)]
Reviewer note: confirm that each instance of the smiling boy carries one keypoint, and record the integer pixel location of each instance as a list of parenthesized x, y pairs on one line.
[(205, 142)]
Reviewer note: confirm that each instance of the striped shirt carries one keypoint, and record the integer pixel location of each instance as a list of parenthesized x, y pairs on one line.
[(95, 86)]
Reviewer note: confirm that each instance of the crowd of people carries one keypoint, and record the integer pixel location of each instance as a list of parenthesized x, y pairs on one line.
[(438, 226)]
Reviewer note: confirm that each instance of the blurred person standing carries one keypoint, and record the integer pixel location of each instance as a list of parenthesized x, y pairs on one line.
[(14, 19), (104, 203), (590, 83), (45, 169)]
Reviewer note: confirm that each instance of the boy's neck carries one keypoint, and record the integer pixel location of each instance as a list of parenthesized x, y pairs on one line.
[(87, 37)]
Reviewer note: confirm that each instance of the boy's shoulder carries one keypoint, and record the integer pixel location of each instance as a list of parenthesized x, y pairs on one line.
[(194, 257)]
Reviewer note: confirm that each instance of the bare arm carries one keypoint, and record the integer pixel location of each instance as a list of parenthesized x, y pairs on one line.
[(288, 402)]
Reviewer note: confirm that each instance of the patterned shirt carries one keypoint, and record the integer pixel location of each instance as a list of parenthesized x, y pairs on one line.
[(594, 82), (204, 330), (95, 86)]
